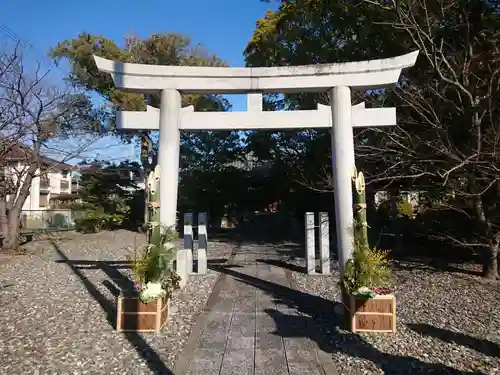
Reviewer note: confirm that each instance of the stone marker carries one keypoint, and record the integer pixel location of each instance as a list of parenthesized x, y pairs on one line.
[(310, 244), (202, 243), (324, 243)]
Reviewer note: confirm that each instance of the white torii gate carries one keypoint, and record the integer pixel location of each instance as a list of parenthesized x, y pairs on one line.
[(341, 116)]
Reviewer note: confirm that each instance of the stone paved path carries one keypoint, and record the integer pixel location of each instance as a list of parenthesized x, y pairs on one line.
[(251, 328)]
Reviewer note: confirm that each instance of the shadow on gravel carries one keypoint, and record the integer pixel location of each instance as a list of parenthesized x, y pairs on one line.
[(320, 324), (112, 269), (432, 265), (480, 345)]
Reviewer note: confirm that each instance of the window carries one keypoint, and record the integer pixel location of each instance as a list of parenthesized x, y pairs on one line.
[(44, 200), (44, 183)]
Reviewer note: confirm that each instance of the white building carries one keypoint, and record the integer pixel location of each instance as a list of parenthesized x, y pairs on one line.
[(51, 180)]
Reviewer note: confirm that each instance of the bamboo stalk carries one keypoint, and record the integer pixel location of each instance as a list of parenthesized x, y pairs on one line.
[(359, 207)]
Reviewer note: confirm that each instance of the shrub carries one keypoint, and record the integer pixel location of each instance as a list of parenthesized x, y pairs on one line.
[(405, 209), (367, 268), (93, 222), (134, 212), (79, 206)]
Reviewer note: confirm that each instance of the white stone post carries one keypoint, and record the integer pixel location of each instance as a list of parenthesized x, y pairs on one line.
[(168, 159), (188, 241), (188, 231), (310, 244), (342, 166), (168, 155), (202, 243), (324, 243)]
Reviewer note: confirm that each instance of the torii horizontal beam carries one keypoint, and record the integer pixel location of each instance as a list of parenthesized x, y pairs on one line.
[(255, 118), (363, 75)]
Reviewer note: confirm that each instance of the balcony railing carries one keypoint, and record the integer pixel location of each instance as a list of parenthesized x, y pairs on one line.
[(63, 219)]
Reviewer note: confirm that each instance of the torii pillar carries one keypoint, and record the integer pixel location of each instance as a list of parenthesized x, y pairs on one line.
[(343, 165), (169, 154)]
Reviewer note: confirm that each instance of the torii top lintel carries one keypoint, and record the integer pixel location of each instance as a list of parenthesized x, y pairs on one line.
[(370, 74)]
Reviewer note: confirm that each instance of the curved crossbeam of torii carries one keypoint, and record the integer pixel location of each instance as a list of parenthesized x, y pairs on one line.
[(341, 116), (371, 74)]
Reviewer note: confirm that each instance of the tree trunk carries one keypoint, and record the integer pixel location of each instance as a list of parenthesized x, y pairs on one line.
[(490, 264), (4, 222), (148, 167), (395, 223), (11, 240), (498, 265), (14, 208), (11, 230)]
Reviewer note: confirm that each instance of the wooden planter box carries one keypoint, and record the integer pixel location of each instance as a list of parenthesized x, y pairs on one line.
[(135, 316), (372, 315)]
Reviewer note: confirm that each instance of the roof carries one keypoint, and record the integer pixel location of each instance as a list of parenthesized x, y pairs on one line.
[(91, 168), (21, 152)]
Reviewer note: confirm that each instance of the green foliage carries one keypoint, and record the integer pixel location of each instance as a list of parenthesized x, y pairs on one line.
[(213, 190), (154, 267), (140, 267), (367, 268), (162, 49), (154, 262), (79, 206), (95, 221), (445, 230), (209, 150), (107, 188), (447, 116), (405, 209), (134, 218), (209, 181), (201, 150)]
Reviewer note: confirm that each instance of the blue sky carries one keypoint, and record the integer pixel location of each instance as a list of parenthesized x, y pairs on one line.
[(223, 26)]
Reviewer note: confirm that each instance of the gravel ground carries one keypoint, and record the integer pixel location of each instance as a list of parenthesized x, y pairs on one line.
[(54, 317), (447, 323)]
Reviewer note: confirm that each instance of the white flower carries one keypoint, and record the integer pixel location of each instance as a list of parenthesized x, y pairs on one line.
[(152, 291), (364, 289)]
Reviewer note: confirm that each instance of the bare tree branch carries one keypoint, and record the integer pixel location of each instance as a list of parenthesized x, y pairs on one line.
[(34, 116)]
